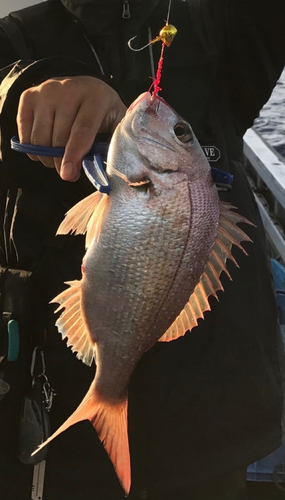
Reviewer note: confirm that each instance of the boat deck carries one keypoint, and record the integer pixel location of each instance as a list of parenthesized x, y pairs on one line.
[(266, 172)]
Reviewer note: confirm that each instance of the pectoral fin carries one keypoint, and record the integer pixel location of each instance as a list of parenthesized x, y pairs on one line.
[(86, 217), (228, 234), (71, 324)]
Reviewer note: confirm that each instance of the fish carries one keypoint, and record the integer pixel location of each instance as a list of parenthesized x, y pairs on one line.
[(155, 249)]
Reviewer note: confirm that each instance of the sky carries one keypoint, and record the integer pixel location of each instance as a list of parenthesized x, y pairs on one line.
[(7, 6)]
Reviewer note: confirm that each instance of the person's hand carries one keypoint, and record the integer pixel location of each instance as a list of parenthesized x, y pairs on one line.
[(68, 112)]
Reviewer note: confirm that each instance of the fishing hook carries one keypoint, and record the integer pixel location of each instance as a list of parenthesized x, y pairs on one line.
[(144, 47), (166, 35)]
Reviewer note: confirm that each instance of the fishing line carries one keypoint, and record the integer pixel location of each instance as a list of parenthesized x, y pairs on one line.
[(168, 13), (166, 36)]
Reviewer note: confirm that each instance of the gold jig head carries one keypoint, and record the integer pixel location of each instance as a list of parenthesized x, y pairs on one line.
[(166, 35)]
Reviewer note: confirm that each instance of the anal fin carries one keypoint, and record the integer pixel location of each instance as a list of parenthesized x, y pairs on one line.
[(71, 324)]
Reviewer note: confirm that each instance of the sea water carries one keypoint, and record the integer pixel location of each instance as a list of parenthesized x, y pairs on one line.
[(271, 122)]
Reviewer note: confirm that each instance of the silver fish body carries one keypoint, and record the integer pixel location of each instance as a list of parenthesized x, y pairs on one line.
[(156, 247), (154, 242)]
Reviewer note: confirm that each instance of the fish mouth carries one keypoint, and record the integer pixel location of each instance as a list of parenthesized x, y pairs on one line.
[(141, 99), (148, 100), (146, 106), (149, 125)]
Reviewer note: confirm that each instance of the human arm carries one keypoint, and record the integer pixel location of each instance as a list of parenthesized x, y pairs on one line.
[(68, 112), (18, 77)]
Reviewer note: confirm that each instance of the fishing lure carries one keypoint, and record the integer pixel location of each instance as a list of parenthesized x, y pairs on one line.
[(166, 36)]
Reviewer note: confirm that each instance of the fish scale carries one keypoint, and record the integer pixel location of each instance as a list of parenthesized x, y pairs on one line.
[(151, 277)]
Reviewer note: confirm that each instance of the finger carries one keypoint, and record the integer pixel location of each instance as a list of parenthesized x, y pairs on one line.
[(63, 123), (119, 115), (25, 117), (42, 130), (82, 136), (25, 121), (33, 157)]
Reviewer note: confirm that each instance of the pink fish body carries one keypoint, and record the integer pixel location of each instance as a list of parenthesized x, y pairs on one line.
[(156, 247)]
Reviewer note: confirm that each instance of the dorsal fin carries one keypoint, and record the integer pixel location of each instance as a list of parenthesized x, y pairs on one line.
[(228, 234), (71, 325)]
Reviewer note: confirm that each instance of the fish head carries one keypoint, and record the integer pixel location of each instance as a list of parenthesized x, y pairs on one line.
[(151, 140)]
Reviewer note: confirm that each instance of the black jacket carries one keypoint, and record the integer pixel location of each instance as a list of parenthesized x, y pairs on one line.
[(207, 403)]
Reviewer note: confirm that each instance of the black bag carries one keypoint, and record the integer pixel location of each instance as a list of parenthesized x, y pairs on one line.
[(14, 351), (25, 393)]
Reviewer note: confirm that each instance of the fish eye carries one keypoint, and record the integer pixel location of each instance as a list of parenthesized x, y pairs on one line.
[(183, 132)]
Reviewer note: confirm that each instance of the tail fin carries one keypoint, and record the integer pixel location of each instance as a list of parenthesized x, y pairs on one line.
[(110, 422)]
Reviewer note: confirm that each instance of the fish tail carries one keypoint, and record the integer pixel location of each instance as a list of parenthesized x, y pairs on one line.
[(110, 422)]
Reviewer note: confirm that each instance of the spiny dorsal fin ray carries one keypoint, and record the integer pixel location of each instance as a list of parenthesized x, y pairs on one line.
[(71, 325), (228, 234)]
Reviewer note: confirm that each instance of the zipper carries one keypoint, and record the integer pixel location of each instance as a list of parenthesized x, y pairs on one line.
[(126, 14)]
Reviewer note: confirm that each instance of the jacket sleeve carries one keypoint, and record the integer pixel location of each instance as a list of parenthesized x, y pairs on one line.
[(16, 169)]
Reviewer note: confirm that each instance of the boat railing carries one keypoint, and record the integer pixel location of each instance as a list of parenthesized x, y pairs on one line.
[(266, 172)]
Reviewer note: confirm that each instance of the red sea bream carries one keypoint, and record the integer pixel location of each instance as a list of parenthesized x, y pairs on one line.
[(156, 247)]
